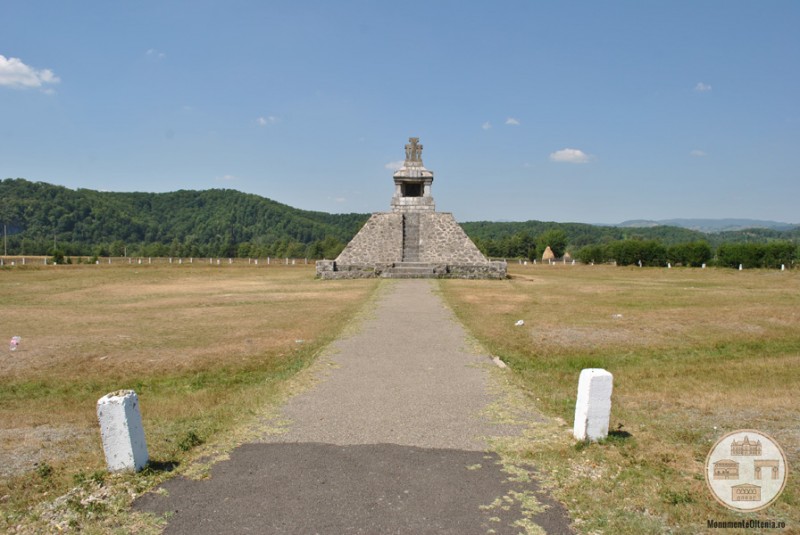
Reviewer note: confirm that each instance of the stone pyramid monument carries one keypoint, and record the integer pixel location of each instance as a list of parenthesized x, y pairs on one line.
[(413, 240)]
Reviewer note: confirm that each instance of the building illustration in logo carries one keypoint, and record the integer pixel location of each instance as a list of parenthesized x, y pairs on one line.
[(746, 493), (726, 469), (746, 447)]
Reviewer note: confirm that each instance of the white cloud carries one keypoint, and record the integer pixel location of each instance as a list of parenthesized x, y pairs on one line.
[(14, 73), (264, 121), (570, 156), (394, 166), (512, 121), (702, 88), (153, 53), (698, 153), (487, 125)]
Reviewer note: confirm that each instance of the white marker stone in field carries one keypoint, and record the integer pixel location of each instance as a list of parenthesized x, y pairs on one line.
[(783, 267), (121, 430), (593, 408), (740, 267)]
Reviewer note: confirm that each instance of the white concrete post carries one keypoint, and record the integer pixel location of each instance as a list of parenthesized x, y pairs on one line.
[(740, 267), (783, 267), (593, 408), (256, 261), (121, 430), (704, 266)]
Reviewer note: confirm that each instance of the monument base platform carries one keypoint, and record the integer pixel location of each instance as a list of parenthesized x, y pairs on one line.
[(330, 269)]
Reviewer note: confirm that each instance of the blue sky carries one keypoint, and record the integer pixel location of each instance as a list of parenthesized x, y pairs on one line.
[(593, 112)]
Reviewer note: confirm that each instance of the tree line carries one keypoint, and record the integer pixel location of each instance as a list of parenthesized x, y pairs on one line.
[(42, 219), (646, 252)]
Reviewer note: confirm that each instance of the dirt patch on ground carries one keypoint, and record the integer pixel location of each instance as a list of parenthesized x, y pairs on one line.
[(24, 449)]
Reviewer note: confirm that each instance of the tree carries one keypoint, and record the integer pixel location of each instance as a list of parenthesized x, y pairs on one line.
[(693, 254), (554, 238), (591, 254)]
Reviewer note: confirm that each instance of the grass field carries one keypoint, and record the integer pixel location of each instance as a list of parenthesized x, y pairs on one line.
[(695, 354), (205, 347)]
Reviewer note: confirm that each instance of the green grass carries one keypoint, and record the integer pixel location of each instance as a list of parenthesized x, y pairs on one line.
[(695, 353), (208, 349)]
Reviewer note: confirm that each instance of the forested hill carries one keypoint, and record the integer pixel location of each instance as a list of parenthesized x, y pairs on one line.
[(42, 218), (181, 223)]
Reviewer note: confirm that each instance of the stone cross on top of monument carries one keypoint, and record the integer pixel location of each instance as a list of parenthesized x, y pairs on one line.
[(413, 152)]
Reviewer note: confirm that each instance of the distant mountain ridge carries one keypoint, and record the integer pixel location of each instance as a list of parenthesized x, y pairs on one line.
[(710, 226)]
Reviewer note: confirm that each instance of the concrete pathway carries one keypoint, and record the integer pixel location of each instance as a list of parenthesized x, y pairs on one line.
[(392, 440)]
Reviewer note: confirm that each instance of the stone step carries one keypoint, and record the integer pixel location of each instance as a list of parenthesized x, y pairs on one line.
[(411, 236), (410, 270), (413, 264)]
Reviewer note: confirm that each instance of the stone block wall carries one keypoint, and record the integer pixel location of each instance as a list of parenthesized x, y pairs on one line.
[(440, 249), (442, 240), (380, 241)]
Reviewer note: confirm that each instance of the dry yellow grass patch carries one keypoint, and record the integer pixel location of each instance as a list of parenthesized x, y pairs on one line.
[(204, 346), (694, 353)]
